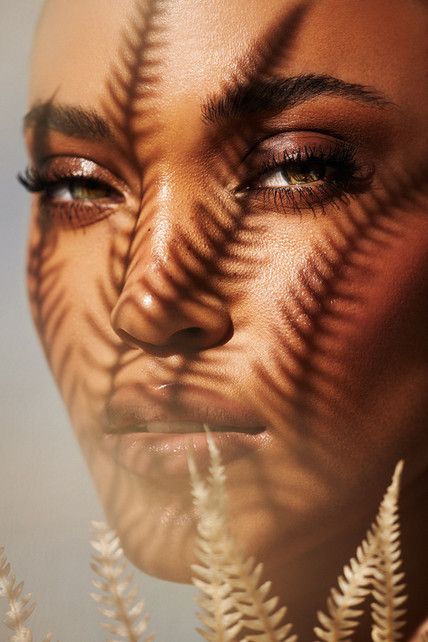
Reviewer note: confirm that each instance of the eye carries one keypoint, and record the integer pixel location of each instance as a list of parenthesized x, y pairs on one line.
[(80, 189), (299, 173), (74, 192), (304, 170)]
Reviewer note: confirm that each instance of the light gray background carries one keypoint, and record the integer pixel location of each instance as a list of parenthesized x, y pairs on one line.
[(46, 497)]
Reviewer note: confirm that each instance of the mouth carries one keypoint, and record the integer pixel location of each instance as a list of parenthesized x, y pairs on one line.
[(153, 437), (185, 427), (180, 427)]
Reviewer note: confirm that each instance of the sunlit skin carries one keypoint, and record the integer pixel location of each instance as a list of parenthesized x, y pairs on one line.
[(312, 315)]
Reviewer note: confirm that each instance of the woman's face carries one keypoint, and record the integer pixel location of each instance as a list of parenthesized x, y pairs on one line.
[(232, 229)]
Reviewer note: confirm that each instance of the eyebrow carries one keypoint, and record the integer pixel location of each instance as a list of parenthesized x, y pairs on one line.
[(275, 94), (69, 120), (256, 97)]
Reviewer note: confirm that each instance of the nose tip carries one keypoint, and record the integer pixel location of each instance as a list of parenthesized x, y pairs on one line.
[(149, 322)]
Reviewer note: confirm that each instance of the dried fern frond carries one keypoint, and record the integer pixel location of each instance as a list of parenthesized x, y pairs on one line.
[(388, 586), (259, 611), (373, 570), (117, 596), (354, 585), (20, 606), (217, 607), (238, 594)]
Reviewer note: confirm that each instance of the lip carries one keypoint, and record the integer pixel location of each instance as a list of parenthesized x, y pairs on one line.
[(127, 439)]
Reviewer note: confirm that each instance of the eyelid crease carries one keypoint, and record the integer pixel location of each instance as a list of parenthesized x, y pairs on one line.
[(37, 182)]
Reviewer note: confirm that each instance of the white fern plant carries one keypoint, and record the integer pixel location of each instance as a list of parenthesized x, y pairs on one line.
[(117, 595), (234, 605), (20, 606), (231, 595)]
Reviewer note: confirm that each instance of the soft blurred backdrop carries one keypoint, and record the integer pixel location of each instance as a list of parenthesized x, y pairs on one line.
[(46, 497)]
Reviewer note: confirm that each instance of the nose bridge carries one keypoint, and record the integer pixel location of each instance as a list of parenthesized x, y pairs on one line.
[(155, 250), (163, 302)]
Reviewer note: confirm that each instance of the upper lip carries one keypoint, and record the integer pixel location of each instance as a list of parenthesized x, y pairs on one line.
[(129, 410)]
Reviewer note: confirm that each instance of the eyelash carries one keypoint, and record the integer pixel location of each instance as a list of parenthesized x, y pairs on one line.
[(73, 212), (351, 178)]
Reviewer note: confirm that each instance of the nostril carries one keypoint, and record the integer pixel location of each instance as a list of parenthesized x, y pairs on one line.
[(187, 335), (191, 332)]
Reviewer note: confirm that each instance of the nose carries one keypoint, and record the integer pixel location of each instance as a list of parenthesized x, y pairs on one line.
[(157, 316)]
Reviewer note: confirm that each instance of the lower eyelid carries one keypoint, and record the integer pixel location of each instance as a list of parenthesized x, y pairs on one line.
[(70, 214), (301, 198)]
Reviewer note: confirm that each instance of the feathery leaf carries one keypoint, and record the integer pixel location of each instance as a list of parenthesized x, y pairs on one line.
[(229, 581), (388, 587), (117, 598), (20, 606), (372, 571)]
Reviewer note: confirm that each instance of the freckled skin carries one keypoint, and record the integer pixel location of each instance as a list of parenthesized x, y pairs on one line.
[(328, 305)]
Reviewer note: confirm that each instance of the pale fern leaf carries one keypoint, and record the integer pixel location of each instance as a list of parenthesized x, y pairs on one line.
[(222, 623), (116, 601), (342, 618), (251, 599), (229, 581), (388, 587), (373, 570), (20, 607)]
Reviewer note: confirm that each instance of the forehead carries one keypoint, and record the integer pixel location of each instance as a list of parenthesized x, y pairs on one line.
[(198, 45)]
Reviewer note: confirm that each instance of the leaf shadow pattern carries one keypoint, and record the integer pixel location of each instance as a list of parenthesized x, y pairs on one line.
[(222, 226), (301, 382), (316, 306), (128, 106), (217, 224), (129, 87), (47, 292)]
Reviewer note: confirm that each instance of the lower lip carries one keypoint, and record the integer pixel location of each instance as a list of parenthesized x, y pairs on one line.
[(164, 456)]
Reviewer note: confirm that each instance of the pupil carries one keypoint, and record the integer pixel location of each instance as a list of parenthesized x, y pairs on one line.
[(304, 173)]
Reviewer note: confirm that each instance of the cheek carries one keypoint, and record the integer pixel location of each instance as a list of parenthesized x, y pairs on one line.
[(72, 282), (385, 346), (340, 324), (279, 256)]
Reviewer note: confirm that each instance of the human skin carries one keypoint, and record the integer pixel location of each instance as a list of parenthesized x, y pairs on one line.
[(309, 300)]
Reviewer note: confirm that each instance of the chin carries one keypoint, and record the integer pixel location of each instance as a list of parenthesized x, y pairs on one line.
[(161, 547), (156, 526)]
